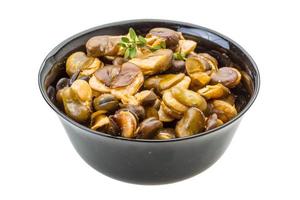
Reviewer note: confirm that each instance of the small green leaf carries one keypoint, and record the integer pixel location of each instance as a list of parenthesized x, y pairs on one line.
[(142, 40), (125, 39), (162, 45), (156, 47), (179, 56), (122, 44), (139, 44), (132, 53), (127, 52), (131, 42), (132, 34)]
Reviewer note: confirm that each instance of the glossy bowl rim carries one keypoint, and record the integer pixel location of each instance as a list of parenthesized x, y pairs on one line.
[(101, 134)]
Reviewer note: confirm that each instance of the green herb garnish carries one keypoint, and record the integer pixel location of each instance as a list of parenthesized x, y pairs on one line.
[(131, 42), (179, 56), (162, 45)]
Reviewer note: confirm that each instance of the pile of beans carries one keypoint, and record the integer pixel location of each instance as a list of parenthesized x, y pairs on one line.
[(164, 90)]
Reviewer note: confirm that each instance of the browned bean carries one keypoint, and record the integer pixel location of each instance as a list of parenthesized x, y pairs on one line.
[(228, 76), (192, 122), (165, 134), (149, 127), (51, 93), (119, 61), (213, 122), (62, 83)]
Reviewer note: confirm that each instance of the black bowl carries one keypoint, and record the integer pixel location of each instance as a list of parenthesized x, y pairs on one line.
[(149, 161)]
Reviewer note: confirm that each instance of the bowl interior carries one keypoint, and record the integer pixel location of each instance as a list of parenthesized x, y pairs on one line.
[(227, 52)]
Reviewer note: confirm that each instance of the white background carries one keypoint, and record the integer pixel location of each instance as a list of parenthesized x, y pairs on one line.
[(37, 161)]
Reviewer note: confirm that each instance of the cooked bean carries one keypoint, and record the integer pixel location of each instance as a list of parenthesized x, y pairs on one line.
[(151, 112), (229, 99), (199, 80), (99, 121), (156, 104), (75, 62), (74, 77), (62, 83), (163, 82), (189, 98), (173, 113), (77, 100), (112, 127), (51, 93), (214, 91), (170, 80), (80, 62), (126, 76), (195, 64), (107, 74), (119, 61), (73, 107), (137, 110), (163, 116), (173, 103), (177, 66), (224, 110), (146, 97), (106, 102), (82, 90), (127, 123), (186, 46), (155, 62), (103, 45), (149, 127), (211, 59), (213, 122), (171, 37), (228, 76), (184, 84), (165, 134), (192, 122)]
